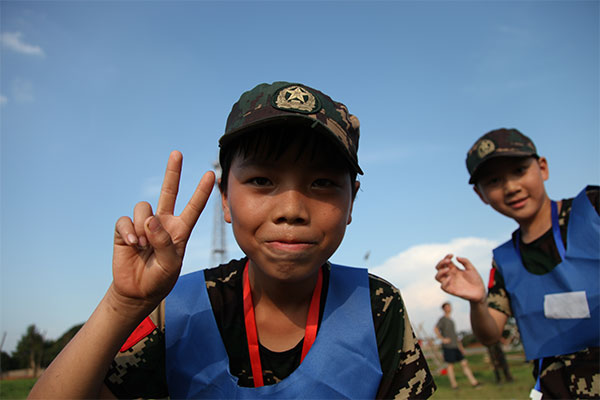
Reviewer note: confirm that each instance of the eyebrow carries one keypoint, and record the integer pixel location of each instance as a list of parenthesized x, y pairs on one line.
[(272, 164), (252, 162)]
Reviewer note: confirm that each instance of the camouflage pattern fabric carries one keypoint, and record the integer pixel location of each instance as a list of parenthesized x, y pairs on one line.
[(405, 371), (574, 375), (139, 372), (299, 104)]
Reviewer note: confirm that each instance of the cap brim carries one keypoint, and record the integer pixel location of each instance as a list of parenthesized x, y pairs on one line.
[(294, 119), (516, 154)]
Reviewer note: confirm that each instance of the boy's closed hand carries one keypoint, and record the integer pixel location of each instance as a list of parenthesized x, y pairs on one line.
[(148, 251), (465, 283)]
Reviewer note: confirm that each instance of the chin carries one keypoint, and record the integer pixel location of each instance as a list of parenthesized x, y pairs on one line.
[(290, 270)]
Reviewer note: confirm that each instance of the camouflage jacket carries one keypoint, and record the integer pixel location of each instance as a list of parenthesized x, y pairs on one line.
[(139, 371), (568, 376)]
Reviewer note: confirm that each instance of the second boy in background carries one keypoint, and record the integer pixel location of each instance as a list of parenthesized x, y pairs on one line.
[(547, 275)]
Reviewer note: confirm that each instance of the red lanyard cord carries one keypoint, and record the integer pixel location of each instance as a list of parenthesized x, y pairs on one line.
[(251, 332), (312, 321), (310, 333)]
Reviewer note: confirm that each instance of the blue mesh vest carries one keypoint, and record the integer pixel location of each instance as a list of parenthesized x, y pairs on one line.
[(342, 363), (544, 306)]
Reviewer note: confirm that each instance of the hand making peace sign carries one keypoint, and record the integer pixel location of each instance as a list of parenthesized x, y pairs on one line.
[(148, 251)]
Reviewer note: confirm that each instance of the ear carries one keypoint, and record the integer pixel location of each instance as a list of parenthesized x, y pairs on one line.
[(225, 205), (543, 164), (480, 194), (354, 192)]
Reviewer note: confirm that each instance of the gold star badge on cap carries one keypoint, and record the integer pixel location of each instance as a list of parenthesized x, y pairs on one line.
[(485, 147), (296, 98)]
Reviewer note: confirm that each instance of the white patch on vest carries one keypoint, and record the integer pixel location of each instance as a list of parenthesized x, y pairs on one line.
[(569, 305), (535, 394)]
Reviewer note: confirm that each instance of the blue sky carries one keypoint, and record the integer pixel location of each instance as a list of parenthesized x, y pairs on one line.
[(94, 96)]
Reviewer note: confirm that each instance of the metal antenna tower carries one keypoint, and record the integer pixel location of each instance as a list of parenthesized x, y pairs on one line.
[(218, 254)]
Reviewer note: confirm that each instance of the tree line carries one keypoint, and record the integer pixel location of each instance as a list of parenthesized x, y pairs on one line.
[(34, 351)]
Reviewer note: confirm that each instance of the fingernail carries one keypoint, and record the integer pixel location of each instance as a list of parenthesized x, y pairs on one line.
[(154, 224), (143, 241), (132, 238)]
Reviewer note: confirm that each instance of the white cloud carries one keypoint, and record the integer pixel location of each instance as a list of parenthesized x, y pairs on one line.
[(13, 41), (3, 100), (413, 272)]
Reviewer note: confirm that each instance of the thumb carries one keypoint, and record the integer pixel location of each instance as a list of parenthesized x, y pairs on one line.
[(161, 242)]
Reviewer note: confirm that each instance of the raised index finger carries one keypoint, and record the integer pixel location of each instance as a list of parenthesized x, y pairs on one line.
[(170, 186)]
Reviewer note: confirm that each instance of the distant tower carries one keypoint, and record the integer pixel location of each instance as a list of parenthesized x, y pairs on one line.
[(218, 254)]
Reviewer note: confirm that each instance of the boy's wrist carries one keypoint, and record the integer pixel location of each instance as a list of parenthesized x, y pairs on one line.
[(479, 302), (127, 310)]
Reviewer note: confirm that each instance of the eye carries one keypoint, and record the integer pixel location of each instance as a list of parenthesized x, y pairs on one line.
[(259, 181), (324, 183), (491, 181), (521, 169)]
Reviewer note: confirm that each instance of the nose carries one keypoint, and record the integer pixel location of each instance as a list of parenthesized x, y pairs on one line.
[(290, 207), (511, 185)]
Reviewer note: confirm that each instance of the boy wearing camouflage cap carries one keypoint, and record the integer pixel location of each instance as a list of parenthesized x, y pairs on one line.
[(546, 276), (282, 322)]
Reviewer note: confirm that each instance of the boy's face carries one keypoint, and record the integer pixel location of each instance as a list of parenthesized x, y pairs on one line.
[(514, 186), (288, 215)]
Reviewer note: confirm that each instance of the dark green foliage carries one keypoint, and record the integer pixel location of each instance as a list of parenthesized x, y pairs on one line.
[(7, 362), (34, 351), (30, 349)]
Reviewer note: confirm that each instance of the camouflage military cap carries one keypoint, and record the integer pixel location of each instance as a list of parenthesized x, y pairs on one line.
[(498, 143), (294, 103)]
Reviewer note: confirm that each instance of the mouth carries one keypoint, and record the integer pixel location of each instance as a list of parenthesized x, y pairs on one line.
[(290, 246), (518, 204)]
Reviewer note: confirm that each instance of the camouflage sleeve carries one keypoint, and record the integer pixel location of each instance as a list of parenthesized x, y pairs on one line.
[(497, 297), (138, 370), (405, 370), (571, 376)]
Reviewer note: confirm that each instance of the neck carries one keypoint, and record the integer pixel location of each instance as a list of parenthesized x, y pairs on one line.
[(539, 224), (272, 292), (281, 309)]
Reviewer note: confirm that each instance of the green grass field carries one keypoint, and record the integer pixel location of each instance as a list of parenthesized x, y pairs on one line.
[(483, 371), (15, 389)]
